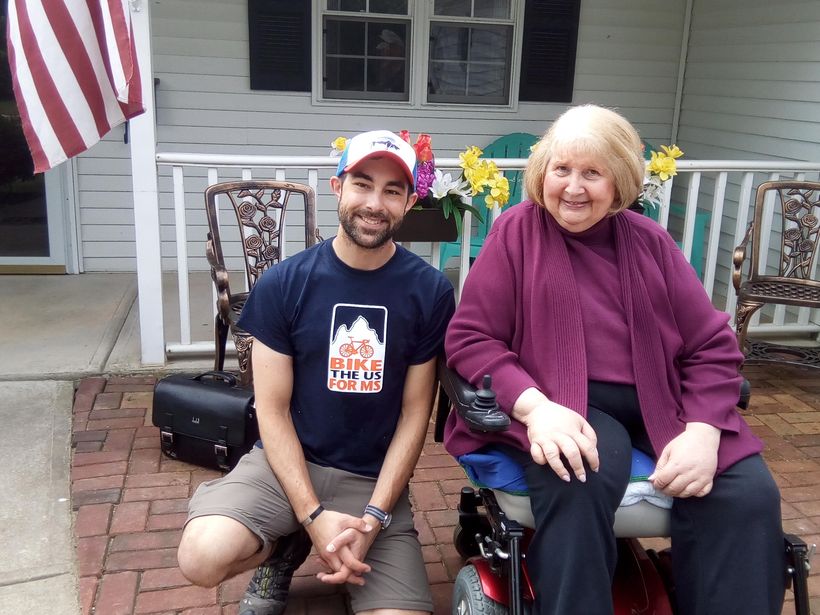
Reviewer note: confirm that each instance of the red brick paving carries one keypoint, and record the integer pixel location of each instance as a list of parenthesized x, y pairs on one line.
[(130, 501)]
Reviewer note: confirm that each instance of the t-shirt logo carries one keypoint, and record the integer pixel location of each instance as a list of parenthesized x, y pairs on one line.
[(358, 334)]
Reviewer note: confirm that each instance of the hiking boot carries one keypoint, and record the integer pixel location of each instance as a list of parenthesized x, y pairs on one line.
[(267, 593)]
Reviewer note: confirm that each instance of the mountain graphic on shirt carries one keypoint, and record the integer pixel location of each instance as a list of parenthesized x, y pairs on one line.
[(356, 359)]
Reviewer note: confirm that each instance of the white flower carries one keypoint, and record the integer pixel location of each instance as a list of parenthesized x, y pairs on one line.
[(652, 191), (444, 184)]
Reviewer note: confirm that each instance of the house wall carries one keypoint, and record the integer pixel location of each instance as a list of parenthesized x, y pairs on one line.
[(627, 58), (751, 91)]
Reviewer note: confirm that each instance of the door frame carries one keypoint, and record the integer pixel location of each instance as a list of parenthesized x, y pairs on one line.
[(62, 218)]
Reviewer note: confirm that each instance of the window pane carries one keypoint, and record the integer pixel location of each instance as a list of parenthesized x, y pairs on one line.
[(469, 64), (460, 8), (388, 42), (386, 76), (489, 44), (486, 80), (345, 74), (367, 59), (345, 37), (347, 5), (387, 65), (391, 7), (448, 42), (448, 78), (499, 9)]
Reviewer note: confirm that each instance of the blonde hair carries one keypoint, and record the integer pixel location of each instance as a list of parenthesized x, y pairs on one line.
[(590, 130)]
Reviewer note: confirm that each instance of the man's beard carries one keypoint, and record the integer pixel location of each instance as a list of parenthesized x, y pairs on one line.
[(368, 241)]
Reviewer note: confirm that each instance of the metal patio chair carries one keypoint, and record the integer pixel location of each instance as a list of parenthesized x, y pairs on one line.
[(794, 282), (259, 208)]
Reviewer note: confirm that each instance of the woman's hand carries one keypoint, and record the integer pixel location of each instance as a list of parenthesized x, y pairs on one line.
[(688, 463), (555, 430)]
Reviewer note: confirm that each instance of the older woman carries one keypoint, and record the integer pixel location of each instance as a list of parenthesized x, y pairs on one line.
[(600, 338)]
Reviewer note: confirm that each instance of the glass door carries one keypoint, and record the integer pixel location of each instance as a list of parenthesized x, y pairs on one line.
[(31, 228)]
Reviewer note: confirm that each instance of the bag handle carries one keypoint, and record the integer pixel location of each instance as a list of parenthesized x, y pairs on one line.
[(226, 377)]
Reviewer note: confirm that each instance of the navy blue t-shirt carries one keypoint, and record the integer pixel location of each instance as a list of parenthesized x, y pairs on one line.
[(352, 335)]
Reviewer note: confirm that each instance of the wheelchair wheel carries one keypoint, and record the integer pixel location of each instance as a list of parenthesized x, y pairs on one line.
[(468, 599), (465, 544)]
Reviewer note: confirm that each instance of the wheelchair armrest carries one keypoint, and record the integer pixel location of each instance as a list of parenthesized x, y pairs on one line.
[(470, 403), (745, 394), (463, 396)]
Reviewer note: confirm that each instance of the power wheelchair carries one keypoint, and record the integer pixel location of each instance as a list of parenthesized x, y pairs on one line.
[(494, 528)]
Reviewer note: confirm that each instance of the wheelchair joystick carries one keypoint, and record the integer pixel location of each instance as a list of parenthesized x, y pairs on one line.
[(484, 413)]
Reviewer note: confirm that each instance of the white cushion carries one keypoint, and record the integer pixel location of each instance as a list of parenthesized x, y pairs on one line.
[(640, 520)]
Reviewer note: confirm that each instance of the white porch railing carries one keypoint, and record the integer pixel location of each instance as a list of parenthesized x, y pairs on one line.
[(712, 203)]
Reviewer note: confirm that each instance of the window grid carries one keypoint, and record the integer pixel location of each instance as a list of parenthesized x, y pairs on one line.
[(420, 21)]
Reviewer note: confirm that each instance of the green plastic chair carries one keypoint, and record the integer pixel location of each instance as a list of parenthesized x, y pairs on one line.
[(515, 145)]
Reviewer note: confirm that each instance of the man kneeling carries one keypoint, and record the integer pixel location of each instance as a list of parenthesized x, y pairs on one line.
[(343, 407)]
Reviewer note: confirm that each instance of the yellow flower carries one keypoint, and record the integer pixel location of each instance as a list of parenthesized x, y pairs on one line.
[(499, 191), (477, 176), (673, 151), (339, 144), (469, 159), (662, 165)]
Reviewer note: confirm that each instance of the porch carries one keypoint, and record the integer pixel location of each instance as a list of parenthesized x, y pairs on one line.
[(129, 501), (706, 208)]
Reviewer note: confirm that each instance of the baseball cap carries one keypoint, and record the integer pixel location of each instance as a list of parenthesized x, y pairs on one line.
[(379, 143)]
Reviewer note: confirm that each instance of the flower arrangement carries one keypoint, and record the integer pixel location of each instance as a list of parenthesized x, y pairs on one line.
[(661, 167), (448, 193)]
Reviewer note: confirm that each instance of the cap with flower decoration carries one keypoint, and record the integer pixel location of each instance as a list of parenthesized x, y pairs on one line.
[(379, 143)]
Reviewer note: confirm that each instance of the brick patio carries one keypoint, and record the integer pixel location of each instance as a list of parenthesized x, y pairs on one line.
[(130, 501)]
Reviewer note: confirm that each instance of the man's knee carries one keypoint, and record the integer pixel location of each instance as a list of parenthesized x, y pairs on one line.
[(212, 548)]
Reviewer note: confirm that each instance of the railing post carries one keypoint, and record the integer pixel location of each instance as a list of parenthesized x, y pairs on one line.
[(146, 201)]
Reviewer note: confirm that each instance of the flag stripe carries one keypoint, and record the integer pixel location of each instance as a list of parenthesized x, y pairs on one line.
[(72, 45), (119, 46), (22, 79), (41, 96), (66, 57), (57, 87)]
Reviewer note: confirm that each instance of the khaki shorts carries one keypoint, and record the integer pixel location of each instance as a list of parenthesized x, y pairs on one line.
[(251, 495)]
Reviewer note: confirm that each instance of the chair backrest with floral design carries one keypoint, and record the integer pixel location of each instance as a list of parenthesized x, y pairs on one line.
[(796, 209), (259, 208), (792, 280)]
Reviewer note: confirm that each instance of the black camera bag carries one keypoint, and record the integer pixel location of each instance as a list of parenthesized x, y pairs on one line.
[(205, 419)]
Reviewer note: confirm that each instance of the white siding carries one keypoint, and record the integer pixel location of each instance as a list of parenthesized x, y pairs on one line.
[(751, 91), (627, 57)]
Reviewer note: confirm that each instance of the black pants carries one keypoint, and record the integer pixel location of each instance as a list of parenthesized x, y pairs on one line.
[(727, 548)]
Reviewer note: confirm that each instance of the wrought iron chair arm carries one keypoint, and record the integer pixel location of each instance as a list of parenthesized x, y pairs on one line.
[(738, 256)]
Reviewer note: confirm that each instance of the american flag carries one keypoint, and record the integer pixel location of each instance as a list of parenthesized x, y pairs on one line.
[(75, 73)]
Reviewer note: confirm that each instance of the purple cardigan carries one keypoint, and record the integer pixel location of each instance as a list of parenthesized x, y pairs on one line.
[(518, 321)]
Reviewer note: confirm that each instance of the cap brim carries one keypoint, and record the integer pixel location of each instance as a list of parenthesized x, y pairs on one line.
[(384, 154)]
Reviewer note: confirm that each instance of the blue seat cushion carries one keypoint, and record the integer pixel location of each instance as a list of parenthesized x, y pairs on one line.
[(491, 467)]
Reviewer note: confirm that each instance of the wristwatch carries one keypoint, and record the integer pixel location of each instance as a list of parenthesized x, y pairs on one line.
[(384, 517), (312, 516)]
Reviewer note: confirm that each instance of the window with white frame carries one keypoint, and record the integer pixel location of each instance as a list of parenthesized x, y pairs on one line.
[(467, 51), (470, 53), (416, 51), (366, 49)]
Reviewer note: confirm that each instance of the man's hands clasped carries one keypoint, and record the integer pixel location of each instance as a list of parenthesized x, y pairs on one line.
[(342, 542)]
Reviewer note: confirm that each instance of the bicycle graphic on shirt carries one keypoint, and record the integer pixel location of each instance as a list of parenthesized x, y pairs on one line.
[(362, 348)]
